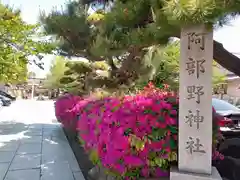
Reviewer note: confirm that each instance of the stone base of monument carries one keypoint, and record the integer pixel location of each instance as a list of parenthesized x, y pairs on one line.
[(175, 174)]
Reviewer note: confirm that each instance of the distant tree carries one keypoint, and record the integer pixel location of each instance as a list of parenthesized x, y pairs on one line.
[(31, 75), (56, 72), (82, 77), (17, 44)]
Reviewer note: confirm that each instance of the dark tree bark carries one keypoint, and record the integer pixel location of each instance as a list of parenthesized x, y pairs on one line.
[(225, 58)]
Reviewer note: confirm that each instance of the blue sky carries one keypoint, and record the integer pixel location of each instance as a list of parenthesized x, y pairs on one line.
[(229, 35)]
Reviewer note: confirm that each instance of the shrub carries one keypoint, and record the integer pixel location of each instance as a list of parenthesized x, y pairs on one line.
[(66, 110), (132, 136)]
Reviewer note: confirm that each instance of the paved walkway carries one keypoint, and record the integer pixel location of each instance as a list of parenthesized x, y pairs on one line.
[(33, 146)]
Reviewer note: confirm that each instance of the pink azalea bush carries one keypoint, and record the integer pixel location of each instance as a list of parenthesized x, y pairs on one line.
[(132, 136), (67, 110)]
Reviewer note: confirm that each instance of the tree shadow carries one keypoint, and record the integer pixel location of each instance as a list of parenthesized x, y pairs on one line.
[(38, 146), (11, 127), (82, 158)]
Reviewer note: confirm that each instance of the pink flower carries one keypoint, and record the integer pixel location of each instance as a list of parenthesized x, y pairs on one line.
[(121, 143), (161, 173), (157, 146), (132, 161), (145, 172), (119, 168)]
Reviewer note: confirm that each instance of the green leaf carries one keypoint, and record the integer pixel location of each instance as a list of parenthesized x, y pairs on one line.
[(173, 129), (172, 144), (161, 119)]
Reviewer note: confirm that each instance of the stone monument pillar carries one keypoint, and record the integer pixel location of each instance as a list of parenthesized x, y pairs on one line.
[(195, 106)]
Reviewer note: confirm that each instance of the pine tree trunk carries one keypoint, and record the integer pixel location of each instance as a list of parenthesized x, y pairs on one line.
[(225, 58)]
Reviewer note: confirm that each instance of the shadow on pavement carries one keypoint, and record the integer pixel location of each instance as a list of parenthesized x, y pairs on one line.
[(8, 127), (28, 149), (82, 158)]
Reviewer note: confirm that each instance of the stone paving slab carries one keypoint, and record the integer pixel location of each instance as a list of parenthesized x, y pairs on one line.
[(34, 132), (33, 148), (32, 139), (6, 156), (9, 146), (26, 174), (27, 161), (37, 149), (58, 171), (3, 169)]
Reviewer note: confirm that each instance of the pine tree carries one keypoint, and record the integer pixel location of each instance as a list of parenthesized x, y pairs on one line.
[(80, 77), (122, 31), (142, 22)]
